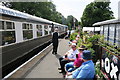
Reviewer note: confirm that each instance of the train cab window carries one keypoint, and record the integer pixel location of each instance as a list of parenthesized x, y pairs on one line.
[(39, 30), (46, 29), (27, 31)]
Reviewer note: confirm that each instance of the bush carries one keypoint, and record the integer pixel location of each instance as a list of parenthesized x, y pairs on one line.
[(97, 70), (73, 36)]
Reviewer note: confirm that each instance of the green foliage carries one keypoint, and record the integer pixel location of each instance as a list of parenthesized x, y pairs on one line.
[(46, 10), (94, 39), (108, 45), (92, 51), (79, 43), (70, 21), (96, 12), (73, 36), (88, 45), (98, 72)]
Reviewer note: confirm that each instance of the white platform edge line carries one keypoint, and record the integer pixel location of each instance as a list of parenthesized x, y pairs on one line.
[(25, 63)]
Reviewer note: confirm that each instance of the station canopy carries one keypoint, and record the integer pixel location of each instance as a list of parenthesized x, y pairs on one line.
[(91, 28)]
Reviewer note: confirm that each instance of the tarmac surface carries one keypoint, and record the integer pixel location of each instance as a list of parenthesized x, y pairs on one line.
[(48, 67)]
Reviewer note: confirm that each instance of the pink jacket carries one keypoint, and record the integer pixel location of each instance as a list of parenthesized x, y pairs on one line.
[(78, 61)]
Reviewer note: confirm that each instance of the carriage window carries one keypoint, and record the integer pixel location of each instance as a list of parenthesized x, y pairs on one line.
[(106, 32), (8, 37), (8, 33), (13, 25), (9, 25), (118, 35), (46, 29), (27, 34), (111, 33), (27, 31), (39, 30), (1, 24), (27, 26), (24, 26), (30, 27)]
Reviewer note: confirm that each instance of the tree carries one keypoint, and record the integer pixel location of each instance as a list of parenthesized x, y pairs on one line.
[(96, 12), (46, 10), (70, 21)]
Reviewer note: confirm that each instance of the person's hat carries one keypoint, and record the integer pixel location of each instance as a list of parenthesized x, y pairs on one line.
[(81, 47), (86, 55), (73, 44)]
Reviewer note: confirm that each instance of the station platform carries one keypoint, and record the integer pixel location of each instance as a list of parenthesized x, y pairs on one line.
[(48, 67), (43, 65)]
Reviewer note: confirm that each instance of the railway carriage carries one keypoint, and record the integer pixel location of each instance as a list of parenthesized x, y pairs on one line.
[(17, 26), (23, 35)]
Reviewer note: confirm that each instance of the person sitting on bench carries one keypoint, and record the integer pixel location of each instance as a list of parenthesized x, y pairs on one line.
[(86, 70), (70, 56)]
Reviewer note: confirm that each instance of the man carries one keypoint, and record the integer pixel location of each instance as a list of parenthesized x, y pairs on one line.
[(69, 67), (55, 41), (70, 56), (86, 71)]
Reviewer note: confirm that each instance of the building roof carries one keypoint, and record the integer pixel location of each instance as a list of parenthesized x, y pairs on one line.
[(91, 28), (112, 21)]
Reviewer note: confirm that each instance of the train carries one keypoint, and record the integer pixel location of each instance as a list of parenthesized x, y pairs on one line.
[(21, 35)]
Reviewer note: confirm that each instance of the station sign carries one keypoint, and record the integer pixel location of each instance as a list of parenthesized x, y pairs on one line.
[(12, 13), (110, 65)]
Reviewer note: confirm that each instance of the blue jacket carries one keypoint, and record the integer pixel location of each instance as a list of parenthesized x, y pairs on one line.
[(85, 72)]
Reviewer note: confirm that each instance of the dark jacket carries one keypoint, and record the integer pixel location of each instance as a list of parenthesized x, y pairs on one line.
[(55, 39)]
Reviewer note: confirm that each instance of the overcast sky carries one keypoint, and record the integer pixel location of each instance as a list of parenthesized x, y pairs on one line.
[(76, 7)]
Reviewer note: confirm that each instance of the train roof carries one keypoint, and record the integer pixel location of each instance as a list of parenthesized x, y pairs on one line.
[(112, 21), (15, 13)]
